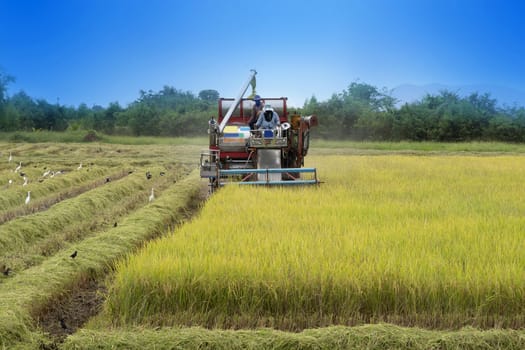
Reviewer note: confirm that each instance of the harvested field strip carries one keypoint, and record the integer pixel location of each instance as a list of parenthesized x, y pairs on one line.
[(25, 294), (68, 156), (15, 195), (41, 204), (370, 337), (26, 241), (20, 232)]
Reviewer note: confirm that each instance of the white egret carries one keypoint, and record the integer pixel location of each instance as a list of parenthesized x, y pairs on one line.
[(80, 166), (25, 181), (10, 157), (18, 167), (28, 198), (152, 195)]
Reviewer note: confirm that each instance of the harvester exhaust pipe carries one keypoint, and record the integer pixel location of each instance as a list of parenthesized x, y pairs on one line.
[(224, 121)]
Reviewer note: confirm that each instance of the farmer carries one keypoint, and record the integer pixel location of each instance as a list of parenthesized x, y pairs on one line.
[(256, 110), (269, 119)]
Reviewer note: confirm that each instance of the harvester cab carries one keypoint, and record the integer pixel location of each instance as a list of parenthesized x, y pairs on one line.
[(241, 155)]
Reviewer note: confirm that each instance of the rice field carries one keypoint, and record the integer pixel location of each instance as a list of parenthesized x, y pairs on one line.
[(403, 246), (430, 241)]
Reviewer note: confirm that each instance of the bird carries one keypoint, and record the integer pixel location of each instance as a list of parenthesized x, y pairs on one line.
[(47, 172), (63, 323), (10, 181), (152, 195), (22, 174), (108, 179), (28, 198), (115, 224), (148, 175), (6, 271), (10, 157), (18, 167), (25, 181), (80, 166), (74, 255), (162, 173)]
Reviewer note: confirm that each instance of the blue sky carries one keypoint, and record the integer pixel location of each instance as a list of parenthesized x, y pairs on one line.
[(102, 51)]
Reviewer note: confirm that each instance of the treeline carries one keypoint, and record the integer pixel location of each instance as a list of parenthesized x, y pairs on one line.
[(361, 112), (169, 112)]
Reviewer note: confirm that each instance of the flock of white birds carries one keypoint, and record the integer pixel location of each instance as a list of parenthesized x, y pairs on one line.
[(18, 170), (47, 173)]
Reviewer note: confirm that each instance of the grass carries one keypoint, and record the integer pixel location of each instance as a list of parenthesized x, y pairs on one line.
[(428, 241)]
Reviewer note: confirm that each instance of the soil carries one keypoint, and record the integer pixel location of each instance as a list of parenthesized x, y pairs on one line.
[(65, 315)]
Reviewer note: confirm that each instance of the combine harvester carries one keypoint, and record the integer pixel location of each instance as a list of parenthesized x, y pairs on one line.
[(239, 155)]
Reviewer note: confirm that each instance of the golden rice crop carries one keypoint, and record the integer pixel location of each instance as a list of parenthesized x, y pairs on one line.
[(418, 240)]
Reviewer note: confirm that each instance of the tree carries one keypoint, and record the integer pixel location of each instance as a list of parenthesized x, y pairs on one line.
[(210, 96), (25, 108), (4, 82), (5, 79)]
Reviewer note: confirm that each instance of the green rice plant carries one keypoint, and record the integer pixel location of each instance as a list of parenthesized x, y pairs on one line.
[(434, 241)]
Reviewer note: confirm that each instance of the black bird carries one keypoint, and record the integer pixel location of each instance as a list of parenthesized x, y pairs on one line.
[(148, 175), (108, 179), (130, 172), (115, 224), (74, 255), (63, 323), (162, 173), (22, 174), (6, 271)]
